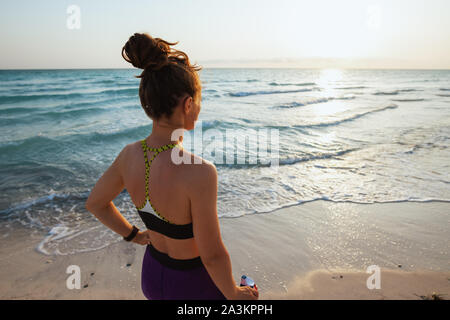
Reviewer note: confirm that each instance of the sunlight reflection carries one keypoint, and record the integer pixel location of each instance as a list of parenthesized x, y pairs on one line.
[(329, 77), (327, 138), (330, 108)]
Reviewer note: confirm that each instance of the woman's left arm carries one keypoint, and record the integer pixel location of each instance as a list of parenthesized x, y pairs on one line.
[(107, 188)]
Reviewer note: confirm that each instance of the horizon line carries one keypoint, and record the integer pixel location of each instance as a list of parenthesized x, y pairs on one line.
[(229, 67)]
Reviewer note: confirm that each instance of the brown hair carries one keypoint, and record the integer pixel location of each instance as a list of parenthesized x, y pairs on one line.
[(167, 75)]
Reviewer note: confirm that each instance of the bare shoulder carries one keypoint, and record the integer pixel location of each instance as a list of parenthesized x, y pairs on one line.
[(129, 149), (132, 149), (197, 164), (127, 154), (134, 145), (205, 171), (198, 171)]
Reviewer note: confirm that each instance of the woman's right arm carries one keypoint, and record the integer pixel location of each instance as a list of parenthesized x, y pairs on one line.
[(214, 255)]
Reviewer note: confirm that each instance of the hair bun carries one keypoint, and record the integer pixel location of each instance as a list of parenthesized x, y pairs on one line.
[(145, 52)]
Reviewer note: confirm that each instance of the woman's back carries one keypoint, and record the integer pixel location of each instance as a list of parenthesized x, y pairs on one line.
[(185, 257), (168, 186)]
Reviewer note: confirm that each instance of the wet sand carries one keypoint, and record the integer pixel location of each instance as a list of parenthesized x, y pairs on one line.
[(317, 250)]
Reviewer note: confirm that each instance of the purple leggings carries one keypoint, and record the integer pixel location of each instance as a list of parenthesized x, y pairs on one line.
[(172, 279)]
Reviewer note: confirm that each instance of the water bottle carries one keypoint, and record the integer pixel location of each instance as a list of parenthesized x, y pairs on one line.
[(247, 281)]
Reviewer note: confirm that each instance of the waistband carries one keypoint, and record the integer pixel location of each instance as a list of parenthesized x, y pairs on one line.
[(179, 264)]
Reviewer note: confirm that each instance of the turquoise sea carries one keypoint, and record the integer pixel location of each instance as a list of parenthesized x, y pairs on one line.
[(360, 136)]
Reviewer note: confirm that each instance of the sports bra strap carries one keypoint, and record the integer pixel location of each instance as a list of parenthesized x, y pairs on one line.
[(145, 148), (158, 150)]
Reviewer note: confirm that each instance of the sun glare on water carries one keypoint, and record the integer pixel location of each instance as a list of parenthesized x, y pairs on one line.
[(327, 81), (329, 77)]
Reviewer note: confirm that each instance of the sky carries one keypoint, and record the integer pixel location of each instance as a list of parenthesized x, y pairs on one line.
[(398, 34)]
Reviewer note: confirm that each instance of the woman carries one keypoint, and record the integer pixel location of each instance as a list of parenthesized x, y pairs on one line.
[(185, 257)]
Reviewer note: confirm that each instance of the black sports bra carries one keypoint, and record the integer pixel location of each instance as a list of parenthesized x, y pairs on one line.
[(152, 219)]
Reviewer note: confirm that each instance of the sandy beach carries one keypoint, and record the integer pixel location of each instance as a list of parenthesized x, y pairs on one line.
[(328, 126), (317, 250)]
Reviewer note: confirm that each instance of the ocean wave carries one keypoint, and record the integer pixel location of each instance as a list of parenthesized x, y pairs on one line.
[(443, 95), (82, 196), (211, 96), (281, 162), (208, 124), (209, 91), (15, 110), (35, 89), (409, 90), (44, 200), (232, 81), (301, 84), (131, 91), (33, 97), (64, 105), (314, 101), (302, 104), (325, 198), (214, 124), (326, 155), (408, 100), (350, 88), (77, 140), (67, 96), (49, 116), (60, 235), (427, 145), (68, 114), (54, 144), (105, 81), (251, 93), (126, 134), (63, 237), (81, 109), (55, 115), (351, 118), (26, 144), (346, 97), (386, 93), (120, 82), (444, 89), (395, 92)]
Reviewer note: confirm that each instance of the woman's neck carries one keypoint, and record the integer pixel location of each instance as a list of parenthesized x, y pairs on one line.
[(162, 133)]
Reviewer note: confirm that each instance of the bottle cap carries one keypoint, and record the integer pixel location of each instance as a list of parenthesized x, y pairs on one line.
[(247, 281)]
